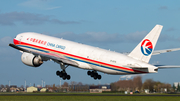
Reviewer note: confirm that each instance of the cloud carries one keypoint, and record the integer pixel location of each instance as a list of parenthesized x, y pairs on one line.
[(171, 29), (5, 41), (88, 37), (26, 18), (105, 38), (64, 22), (102, 37), (5, 50), (29, 19), (51, 8), (136, 36), (178, 39), (163, 8), (39, 4), (165, 37)]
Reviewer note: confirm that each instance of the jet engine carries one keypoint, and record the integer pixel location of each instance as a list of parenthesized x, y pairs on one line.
[(31, 60)]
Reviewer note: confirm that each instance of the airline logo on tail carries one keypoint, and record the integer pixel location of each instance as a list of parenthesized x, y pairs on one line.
[(146, 47)]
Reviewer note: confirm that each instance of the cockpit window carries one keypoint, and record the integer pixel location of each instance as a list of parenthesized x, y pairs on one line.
[(15, 37)]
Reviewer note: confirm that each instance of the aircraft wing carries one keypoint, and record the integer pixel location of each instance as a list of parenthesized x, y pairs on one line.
[(52, 56), (164, 51)]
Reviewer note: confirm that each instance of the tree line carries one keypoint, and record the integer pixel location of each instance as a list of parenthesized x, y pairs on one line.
[(136, 84)]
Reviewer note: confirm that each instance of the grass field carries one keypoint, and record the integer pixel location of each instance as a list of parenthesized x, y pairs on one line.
[(89, 98)]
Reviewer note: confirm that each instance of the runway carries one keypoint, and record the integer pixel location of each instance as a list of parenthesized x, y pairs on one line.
[(90, 95)]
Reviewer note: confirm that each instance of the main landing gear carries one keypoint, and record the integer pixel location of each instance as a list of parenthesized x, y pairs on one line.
[(62, 74), (94, 74)]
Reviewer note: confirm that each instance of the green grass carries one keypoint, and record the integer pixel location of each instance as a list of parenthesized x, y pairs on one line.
[(89, 98)]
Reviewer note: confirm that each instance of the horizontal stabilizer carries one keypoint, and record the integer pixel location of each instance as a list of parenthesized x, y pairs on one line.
[(157, 52), (167, 66), (164, 51)]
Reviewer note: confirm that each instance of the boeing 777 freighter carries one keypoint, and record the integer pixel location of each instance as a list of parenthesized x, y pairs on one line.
[(37, 48)]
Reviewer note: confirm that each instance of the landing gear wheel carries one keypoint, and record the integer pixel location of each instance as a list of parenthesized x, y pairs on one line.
[(95, 77), (64, 77), (99, 77), (68, 77), (89, 72), (94, 74), (58, 72), (61, 74), (65, 73)]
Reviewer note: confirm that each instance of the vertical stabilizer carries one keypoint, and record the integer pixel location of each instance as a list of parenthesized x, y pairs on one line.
[(145, 48)]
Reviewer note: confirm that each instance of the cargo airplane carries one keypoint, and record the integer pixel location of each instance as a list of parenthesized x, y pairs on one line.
[(37, 48)]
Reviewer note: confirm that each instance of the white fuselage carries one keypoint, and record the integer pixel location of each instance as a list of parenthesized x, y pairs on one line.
[(87, 57)]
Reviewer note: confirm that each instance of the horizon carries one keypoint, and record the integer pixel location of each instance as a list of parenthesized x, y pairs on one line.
[(119, 26)]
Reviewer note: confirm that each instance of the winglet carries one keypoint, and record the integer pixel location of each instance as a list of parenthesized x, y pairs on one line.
[(145, 48)]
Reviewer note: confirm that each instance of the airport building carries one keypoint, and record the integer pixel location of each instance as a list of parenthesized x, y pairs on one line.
[(36, 89), (99, 88), (32, 89)]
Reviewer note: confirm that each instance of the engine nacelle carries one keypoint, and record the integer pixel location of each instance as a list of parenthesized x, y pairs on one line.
[(31, 60)]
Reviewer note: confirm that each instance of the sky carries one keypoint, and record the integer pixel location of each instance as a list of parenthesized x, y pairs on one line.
[(118, 25)]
